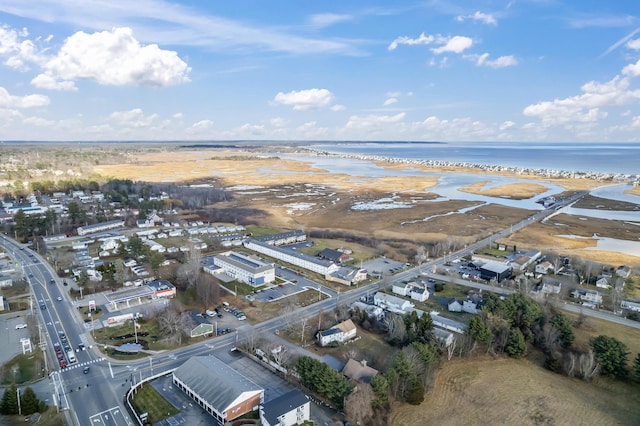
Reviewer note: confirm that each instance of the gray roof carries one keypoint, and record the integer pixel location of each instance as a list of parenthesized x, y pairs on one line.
[(282, 405), (214, 381), (495, 267)]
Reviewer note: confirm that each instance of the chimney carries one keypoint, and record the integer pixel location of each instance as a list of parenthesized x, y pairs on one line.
[(363, 362)]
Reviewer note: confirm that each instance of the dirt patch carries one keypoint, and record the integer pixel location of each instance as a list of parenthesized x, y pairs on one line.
[(514, 191), (506, 391)]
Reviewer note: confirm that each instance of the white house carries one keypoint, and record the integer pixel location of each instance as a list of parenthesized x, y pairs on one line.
[(454, 305), (402, 289), (342, 332), (444, 336), (392, 303), (420, 294), (544, 267), (586, 295), (551, 287), (631, 306), (469, 306), (292, 408), (603, 282)]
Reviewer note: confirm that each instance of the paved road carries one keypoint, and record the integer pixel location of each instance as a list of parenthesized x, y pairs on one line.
[(96, 397)]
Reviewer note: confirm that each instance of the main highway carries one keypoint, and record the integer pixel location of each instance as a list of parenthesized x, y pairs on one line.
[(96, 397)]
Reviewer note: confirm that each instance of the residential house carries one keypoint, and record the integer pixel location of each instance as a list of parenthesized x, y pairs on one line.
[(420, 294), (544, 268), (340, 333), (454, 305), (623, 271), (603, 281), (469, 306), (392, 303), (591, 296), (402, 289), (201, 326), (359, 371), (551, 287), (444, 336), (292, 408), (630, 305), (335, 256)]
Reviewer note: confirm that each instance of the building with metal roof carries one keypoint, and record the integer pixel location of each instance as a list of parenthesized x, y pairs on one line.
[(220, 390)]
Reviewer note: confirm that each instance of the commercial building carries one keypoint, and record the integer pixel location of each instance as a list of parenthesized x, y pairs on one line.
[(217, 388), (292, 408), (245, 267), (99, 227)]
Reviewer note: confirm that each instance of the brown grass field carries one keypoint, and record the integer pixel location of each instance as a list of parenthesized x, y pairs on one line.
[(515, 191), (293, 194), (481, 391)]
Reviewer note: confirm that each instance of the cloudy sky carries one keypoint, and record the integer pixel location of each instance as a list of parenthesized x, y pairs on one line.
[(445, 70)]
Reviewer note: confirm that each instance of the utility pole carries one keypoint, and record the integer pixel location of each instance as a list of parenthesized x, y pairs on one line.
[(19, 408)]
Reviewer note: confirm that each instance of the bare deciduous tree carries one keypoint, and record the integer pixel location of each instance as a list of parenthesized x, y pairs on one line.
[(172, 324), (358, 406), (207, 289), (396, 329)]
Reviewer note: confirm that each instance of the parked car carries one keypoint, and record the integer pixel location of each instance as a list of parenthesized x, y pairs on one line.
[(20, 326)]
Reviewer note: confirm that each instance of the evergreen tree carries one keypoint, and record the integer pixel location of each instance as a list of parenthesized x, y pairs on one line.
[(516, 345), (380, 387), (479, 330), (563, 325), (611, 354), (636, 368), (9, 403), (415, 393), (29, 402)]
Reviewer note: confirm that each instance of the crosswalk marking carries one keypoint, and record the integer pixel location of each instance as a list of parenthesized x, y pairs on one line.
[(83, 364)]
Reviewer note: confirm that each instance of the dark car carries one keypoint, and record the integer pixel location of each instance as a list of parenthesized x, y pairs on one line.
[(81, 347), (86, 370), (63, 363), (43, 306)]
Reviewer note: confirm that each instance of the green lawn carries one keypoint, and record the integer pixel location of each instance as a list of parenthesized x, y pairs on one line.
[(148, 400)]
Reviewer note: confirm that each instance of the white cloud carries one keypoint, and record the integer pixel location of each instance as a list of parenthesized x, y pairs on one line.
[(133, 118), (163, 22), (202, 125), (38, 121), (18, 50), (322, 20), (29, 101), (507, 125), (373, 121), (112, 58), (421, 40), (178, 116), (304, 100), (455, 44), (585, 107), (44, 81), (634, 44), (485, 18), (501, 62), (632, 70), (390, 101), (338, 107)]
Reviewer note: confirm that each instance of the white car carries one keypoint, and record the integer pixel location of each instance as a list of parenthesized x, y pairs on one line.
[(19, 326), (59, 299)]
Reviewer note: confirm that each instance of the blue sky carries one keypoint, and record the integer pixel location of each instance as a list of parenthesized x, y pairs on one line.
[(493, 70)]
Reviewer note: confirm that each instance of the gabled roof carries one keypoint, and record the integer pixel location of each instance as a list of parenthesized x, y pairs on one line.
[(346, 326), (282, 405), (359, 371), (214, 381)]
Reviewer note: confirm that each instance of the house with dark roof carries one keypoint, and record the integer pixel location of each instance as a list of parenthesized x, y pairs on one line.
[(220, 390), (200, 326), (334, 256), (292, 408), (340, 333)]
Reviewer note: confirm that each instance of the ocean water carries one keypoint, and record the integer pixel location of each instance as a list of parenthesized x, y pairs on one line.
[(581, 157)]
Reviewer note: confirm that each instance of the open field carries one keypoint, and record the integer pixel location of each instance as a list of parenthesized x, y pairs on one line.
[(515, 191), (506, 391)]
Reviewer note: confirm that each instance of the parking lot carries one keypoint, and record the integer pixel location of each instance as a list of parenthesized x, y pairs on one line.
[(10, 335)]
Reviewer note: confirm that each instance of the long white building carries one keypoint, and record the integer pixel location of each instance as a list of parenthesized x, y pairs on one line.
[(303, 260), (245, 267)]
